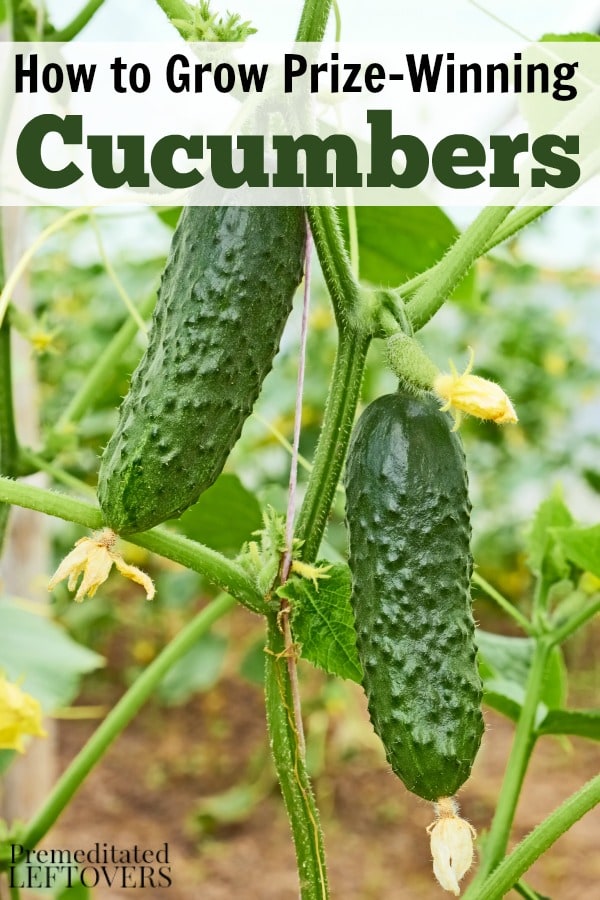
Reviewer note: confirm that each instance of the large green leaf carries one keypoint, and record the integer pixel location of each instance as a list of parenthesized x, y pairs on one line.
[(41, 656), (541, 545), (397, 242), (577, 722), (504, 696), (323, 622), (197, 670), (224, 517), (581, 546), (504, 663)]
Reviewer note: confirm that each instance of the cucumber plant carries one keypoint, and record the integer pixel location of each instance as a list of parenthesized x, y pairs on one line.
[(407, 622)]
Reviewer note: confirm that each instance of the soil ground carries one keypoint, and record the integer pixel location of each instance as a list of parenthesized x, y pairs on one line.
[(148, 788)]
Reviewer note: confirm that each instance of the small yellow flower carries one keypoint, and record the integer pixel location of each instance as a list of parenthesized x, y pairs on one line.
[(313, 573), (20, 714), (93, 558), (474, 395), (43, 341), (451, 845)]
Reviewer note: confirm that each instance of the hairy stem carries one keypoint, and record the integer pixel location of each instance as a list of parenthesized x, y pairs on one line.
[(335, 263), (286, 562), (175, 9), (78, 22), (222, 571), (313, 21), (291, 770), (514, 223), (344, 394), (523, 743), (118, 719), (568, 628), (537, 842), (444, 277), (503, 603)]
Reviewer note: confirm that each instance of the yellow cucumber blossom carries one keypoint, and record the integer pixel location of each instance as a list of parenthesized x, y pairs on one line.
[(312, 573), (20, 714), (451, 845), (472, 394), (93, 558)]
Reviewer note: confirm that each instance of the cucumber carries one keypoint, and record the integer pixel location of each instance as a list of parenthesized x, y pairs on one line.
[(407, 511), (225, 296)]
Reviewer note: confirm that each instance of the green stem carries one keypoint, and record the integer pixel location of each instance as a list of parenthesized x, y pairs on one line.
[(523, 743), (525, 891), (78, 22), (118, 719), (445, 276), (503, 603), (313, 21), (223, 572), (338, 20), (33, 462), (291, 770), (175, 9), (104, 367), (536, 843), (514, 223), (15, 893), (344, 394), (9, 449), (579, 619), (337, 269)]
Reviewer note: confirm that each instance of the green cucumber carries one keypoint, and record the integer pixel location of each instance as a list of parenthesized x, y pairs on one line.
[(224, 299), (407, 510)]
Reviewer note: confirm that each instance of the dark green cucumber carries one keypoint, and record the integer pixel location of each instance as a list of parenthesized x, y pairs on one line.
[(225, 296), (407, 511)]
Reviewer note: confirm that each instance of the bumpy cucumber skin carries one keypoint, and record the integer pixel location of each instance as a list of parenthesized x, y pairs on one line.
[(407, 512), (225, 296)]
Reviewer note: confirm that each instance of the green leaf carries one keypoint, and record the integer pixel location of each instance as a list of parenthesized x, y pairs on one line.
[(578, 37), (41, 656), (581, 546), (169, 215), (78, 892), (577, 722), (504, 657), (504, 664), (224, 517), (397, 242), (323, 621), (505, 697), (197, 670), (544, 561)]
